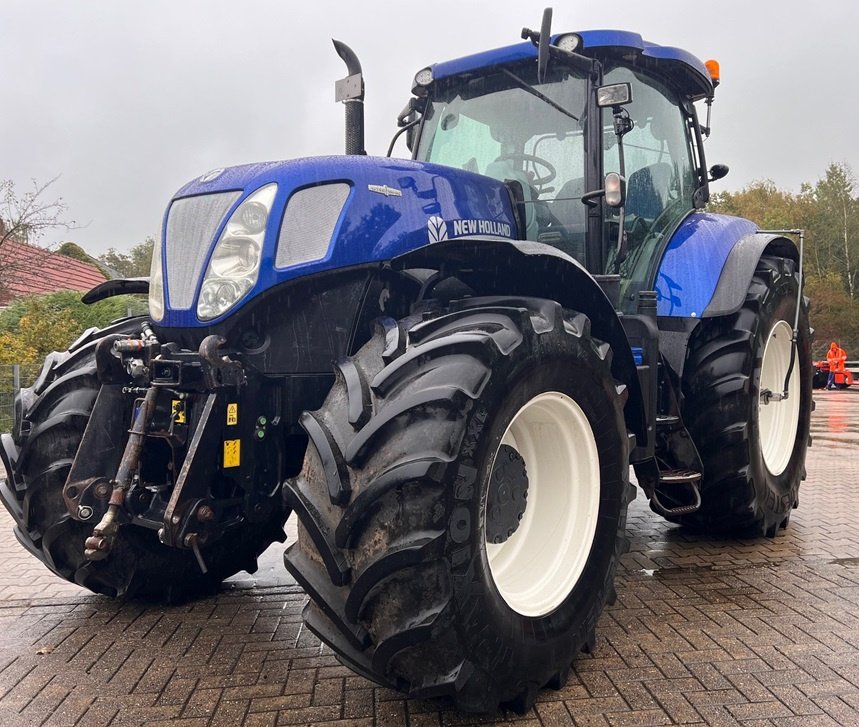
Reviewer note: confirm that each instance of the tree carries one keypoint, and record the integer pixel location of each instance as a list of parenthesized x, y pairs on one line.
[(76, 252), (835, 224), (33, 326), (834, 315), (26, 218), (761, 202), (134, 264)]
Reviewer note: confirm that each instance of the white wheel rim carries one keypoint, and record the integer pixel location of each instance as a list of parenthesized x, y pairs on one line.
[(538, 566), (778, 420)]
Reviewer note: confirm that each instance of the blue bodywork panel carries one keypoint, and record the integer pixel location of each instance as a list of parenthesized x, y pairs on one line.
[(693, 261), (414, 204), (689, 73)]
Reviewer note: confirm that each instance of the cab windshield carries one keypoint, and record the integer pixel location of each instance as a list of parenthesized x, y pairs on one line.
[(507, 126)]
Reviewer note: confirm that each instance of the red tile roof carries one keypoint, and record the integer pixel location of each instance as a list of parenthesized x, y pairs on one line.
[(30, 270)]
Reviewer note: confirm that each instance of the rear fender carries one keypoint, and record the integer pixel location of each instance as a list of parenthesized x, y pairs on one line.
[(709, 263), (533, 269)]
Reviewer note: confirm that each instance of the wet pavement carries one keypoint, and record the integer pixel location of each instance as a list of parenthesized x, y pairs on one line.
[(719, 632)]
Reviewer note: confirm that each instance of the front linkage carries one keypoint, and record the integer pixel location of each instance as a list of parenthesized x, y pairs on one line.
[(209, 432)]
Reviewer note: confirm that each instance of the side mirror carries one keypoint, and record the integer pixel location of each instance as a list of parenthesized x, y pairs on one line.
[(717, 171)]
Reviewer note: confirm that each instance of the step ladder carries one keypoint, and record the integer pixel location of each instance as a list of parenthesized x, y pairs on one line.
[(672, 479)]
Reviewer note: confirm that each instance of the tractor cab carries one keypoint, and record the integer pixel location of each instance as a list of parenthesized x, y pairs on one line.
[(603, 102)]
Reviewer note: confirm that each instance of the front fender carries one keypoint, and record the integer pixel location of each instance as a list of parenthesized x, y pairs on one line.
[(533, 269), (708, 264)]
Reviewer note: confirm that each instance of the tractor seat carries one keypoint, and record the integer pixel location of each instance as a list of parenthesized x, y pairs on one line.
[(647, 190)]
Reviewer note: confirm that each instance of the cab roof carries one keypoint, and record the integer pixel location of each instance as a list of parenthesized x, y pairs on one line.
[(679, 67)]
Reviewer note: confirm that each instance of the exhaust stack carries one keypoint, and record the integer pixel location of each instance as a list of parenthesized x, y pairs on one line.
[(350, 91)]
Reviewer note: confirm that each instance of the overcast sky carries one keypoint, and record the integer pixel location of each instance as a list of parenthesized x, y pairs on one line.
[(128, 101)]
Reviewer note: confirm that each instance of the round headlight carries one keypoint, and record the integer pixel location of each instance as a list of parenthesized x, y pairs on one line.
[(253, 217), (219, 295)]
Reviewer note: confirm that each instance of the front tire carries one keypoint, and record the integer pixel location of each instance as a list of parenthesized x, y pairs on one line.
[(463, 503), (752, 447)]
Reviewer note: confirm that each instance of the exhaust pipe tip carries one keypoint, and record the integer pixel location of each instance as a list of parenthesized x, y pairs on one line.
[(350, 91)]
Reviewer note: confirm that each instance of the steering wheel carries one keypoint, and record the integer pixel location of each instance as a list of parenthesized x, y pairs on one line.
[(550, 171)]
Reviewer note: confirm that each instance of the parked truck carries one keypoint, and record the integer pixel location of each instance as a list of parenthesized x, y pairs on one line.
[(443, 365)]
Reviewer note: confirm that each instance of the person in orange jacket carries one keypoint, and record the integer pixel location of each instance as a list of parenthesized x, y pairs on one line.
[(833, 358), (837, 359)]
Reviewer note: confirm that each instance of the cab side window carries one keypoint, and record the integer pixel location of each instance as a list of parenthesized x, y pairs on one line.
[(660, 176)]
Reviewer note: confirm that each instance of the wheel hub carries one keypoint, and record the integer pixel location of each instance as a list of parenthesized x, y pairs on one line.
[(508, 495), (778, 415), (551, 444)]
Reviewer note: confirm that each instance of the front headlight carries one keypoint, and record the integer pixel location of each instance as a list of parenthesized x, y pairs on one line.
[(234, 265), (156, 285)]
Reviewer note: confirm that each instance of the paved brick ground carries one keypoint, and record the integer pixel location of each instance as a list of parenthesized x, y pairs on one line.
[(762, 632)]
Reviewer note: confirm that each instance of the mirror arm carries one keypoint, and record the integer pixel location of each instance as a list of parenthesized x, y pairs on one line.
[(402, 130), (590, 198), (579, 62)]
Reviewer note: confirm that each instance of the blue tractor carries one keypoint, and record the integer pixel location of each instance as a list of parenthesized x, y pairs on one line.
[(443, 365)]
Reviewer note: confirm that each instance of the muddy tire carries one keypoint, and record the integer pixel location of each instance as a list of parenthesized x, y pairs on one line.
[(50, 420), (463, 502), (753, 452)]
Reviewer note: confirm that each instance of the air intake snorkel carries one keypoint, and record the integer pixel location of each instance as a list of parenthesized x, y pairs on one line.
[(350, 91)]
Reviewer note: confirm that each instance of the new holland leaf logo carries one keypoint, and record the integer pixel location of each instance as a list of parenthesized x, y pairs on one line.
[(437, 229)]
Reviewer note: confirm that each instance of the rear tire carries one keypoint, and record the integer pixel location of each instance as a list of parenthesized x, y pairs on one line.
[(753, 453), (51, 418), (396, 502)]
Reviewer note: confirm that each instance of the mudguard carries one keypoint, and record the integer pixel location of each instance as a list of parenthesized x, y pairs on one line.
[(533, 269), (708, 264)]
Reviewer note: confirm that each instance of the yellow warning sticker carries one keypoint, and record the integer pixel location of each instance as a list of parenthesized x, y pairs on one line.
[(232, 414), (178, 409), (232, 453)]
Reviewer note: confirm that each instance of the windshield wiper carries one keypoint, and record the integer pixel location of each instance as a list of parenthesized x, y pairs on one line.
[(534, 92)]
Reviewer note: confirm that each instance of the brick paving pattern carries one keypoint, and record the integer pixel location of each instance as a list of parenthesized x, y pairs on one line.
[(750, 632)]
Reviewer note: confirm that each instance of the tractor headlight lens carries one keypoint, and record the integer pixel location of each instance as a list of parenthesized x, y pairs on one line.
[(569, 42), (234, 265), (156, 285), (253, 216), (423, 77)]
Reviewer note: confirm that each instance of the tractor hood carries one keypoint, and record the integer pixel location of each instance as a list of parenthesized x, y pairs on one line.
[(233, 233)]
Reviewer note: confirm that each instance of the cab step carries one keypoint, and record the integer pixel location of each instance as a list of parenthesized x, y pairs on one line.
[(673, 479)]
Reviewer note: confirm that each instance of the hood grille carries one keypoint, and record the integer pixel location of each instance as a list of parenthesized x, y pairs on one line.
[(191, 226)]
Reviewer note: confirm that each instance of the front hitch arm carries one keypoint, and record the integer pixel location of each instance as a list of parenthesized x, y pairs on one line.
[(100, 543)]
